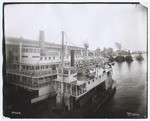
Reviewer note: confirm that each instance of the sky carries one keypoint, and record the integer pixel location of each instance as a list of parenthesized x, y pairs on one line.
[(101, 25)]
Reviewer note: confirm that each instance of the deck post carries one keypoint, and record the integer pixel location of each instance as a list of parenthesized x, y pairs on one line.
[(66, 88), (55, 85), (76, 90), (26, 84), (20, 55), (82, 89), (38, 82), (71, 88)]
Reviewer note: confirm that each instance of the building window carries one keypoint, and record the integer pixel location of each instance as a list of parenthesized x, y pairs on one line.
[(60, 57), (24, 56), (72, 71), (38, 51), (29, 67), (26, 50), (59, 71), (17, 66), (54, 58), (23, 67), (45, 58), (16, 58), (65, 71), (34, 50), (23, 50), (93, 80), (41, 58), (35, 56), (49, 58), (31, 50), (32, 67)]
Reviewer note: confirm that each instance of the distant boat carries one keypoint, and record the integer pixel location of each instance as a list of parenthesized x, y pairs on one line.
[(139, 57), (120, 58), (128, 59)]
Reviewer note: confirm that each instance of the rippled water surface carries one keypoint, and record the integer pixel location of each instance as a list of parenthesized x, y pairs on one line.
[(130, 99)]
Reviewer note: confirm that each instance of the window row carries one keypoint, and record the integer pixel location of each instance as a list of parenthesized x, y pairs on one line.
[(29, 79), (24, 67), (32, 56), (49, 58), (30, 50)]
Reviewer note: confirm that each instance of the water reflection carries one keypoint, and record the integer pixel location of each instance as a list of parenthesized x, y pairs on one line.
[(140, 62), (131, 91), (129, 65), (119, 65)]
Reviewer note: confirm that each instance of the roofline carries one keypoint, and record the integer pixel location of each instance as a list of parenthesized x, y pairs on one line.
[(25, 41)]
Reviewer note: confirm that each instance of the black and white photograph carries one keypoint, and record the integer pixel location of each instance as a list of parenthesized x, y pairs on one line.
[(75, 60)]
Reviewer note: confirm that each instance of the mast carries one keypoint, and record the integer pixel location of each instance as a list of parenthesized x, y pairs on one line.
[(62, 65), (66, 49)]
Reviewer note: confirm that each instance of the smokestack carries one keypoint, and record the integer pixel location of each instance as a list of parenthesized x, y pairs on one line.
[(41, 39), (72, 57)]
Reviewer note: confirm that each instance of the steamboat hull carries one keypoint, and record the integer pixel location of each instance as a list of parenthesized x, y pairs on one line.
[(88, 96), (95, 98), (86, 105), (98, 103), (22, 95)]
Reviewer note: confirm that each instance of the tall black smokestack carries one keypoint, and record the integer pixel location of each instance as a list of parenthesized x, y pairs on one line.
[(72, 57), (41, 39)]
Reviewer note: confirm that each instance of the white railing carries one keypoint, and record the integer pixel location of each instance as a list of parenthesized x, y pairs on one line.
[(32, 73), (29, 85)]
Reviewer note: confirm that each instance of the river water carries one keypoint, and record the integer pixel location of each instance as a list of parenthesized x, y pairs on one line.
[(130, 99)]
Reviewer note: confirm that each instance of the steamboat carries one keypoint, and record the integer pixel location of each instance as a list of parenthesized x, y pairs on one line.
[(82, 91)]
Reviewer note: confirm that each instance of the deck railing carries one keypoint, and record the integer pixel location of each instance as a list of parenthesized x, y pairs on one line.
[(33, 73), (29, 85), (70, 89)]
